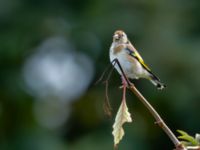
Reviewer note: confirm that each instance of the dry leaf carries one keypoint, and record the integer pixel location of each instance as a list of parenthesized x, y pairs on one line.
[(122, 116)]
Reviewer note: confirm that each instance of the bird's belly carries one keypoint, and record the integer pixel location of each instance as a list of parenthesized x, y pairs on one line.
[(132, 69)]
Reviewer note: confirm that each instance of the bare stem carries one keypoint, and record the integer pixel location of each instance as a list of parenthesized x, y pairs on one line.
[(158, 119)]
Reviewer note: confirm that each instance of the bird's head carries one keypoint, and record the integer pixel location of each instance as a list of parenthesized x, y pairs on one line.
[(120, 37)]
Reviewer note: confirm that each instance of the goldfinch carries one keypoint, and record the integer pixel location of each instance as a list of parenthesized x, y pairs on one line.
[(130, 60)]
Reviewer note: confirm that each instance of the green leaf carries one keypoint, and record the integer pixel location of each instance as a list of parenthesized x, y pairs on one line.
[(187, 139)]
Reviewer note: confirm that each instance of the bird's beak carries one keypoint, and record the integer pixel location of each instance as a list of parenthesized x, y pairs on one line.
[(116, 36)]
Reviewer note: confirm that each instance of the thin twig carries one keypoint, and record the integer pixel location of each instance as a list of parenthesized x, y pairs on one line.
[(193, 147), (107, 107), (158, 119)]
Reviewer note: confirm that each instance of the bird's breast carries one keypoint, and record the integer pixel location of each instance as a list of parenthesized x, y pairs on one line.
[(131, 67), (118, 49), (121, 55)]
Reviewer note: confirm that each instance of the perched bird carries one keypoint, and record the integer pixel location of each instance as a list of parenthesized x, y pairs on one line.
[(130, 60)]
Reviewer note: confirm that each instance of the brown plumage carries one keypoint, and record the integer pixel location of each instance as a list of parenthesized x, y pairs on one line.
[(118, 49)]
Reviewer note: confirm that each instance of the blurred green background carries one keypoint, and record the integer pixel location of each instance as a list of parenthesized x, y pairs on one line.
[(52, 52)]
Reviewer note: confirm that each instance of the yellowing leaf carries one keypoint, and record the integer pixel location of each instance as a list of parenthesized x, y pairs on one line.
[(122, 116)]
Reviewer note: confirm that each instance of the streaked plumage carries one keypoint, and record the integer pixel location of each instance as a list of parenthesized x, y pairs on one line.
[(132, 63)]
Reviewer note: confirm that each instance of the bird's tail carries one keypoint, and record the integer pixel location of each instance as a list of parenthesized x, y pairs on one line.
[(156, 81)]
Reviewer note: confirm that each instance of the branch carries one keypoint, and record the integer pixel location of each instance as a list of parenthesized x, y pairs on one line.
[(158, 119)]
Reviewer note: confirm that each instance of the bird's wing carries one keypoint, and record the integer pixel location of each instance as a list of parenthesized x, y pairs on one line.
[(133, 52)]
